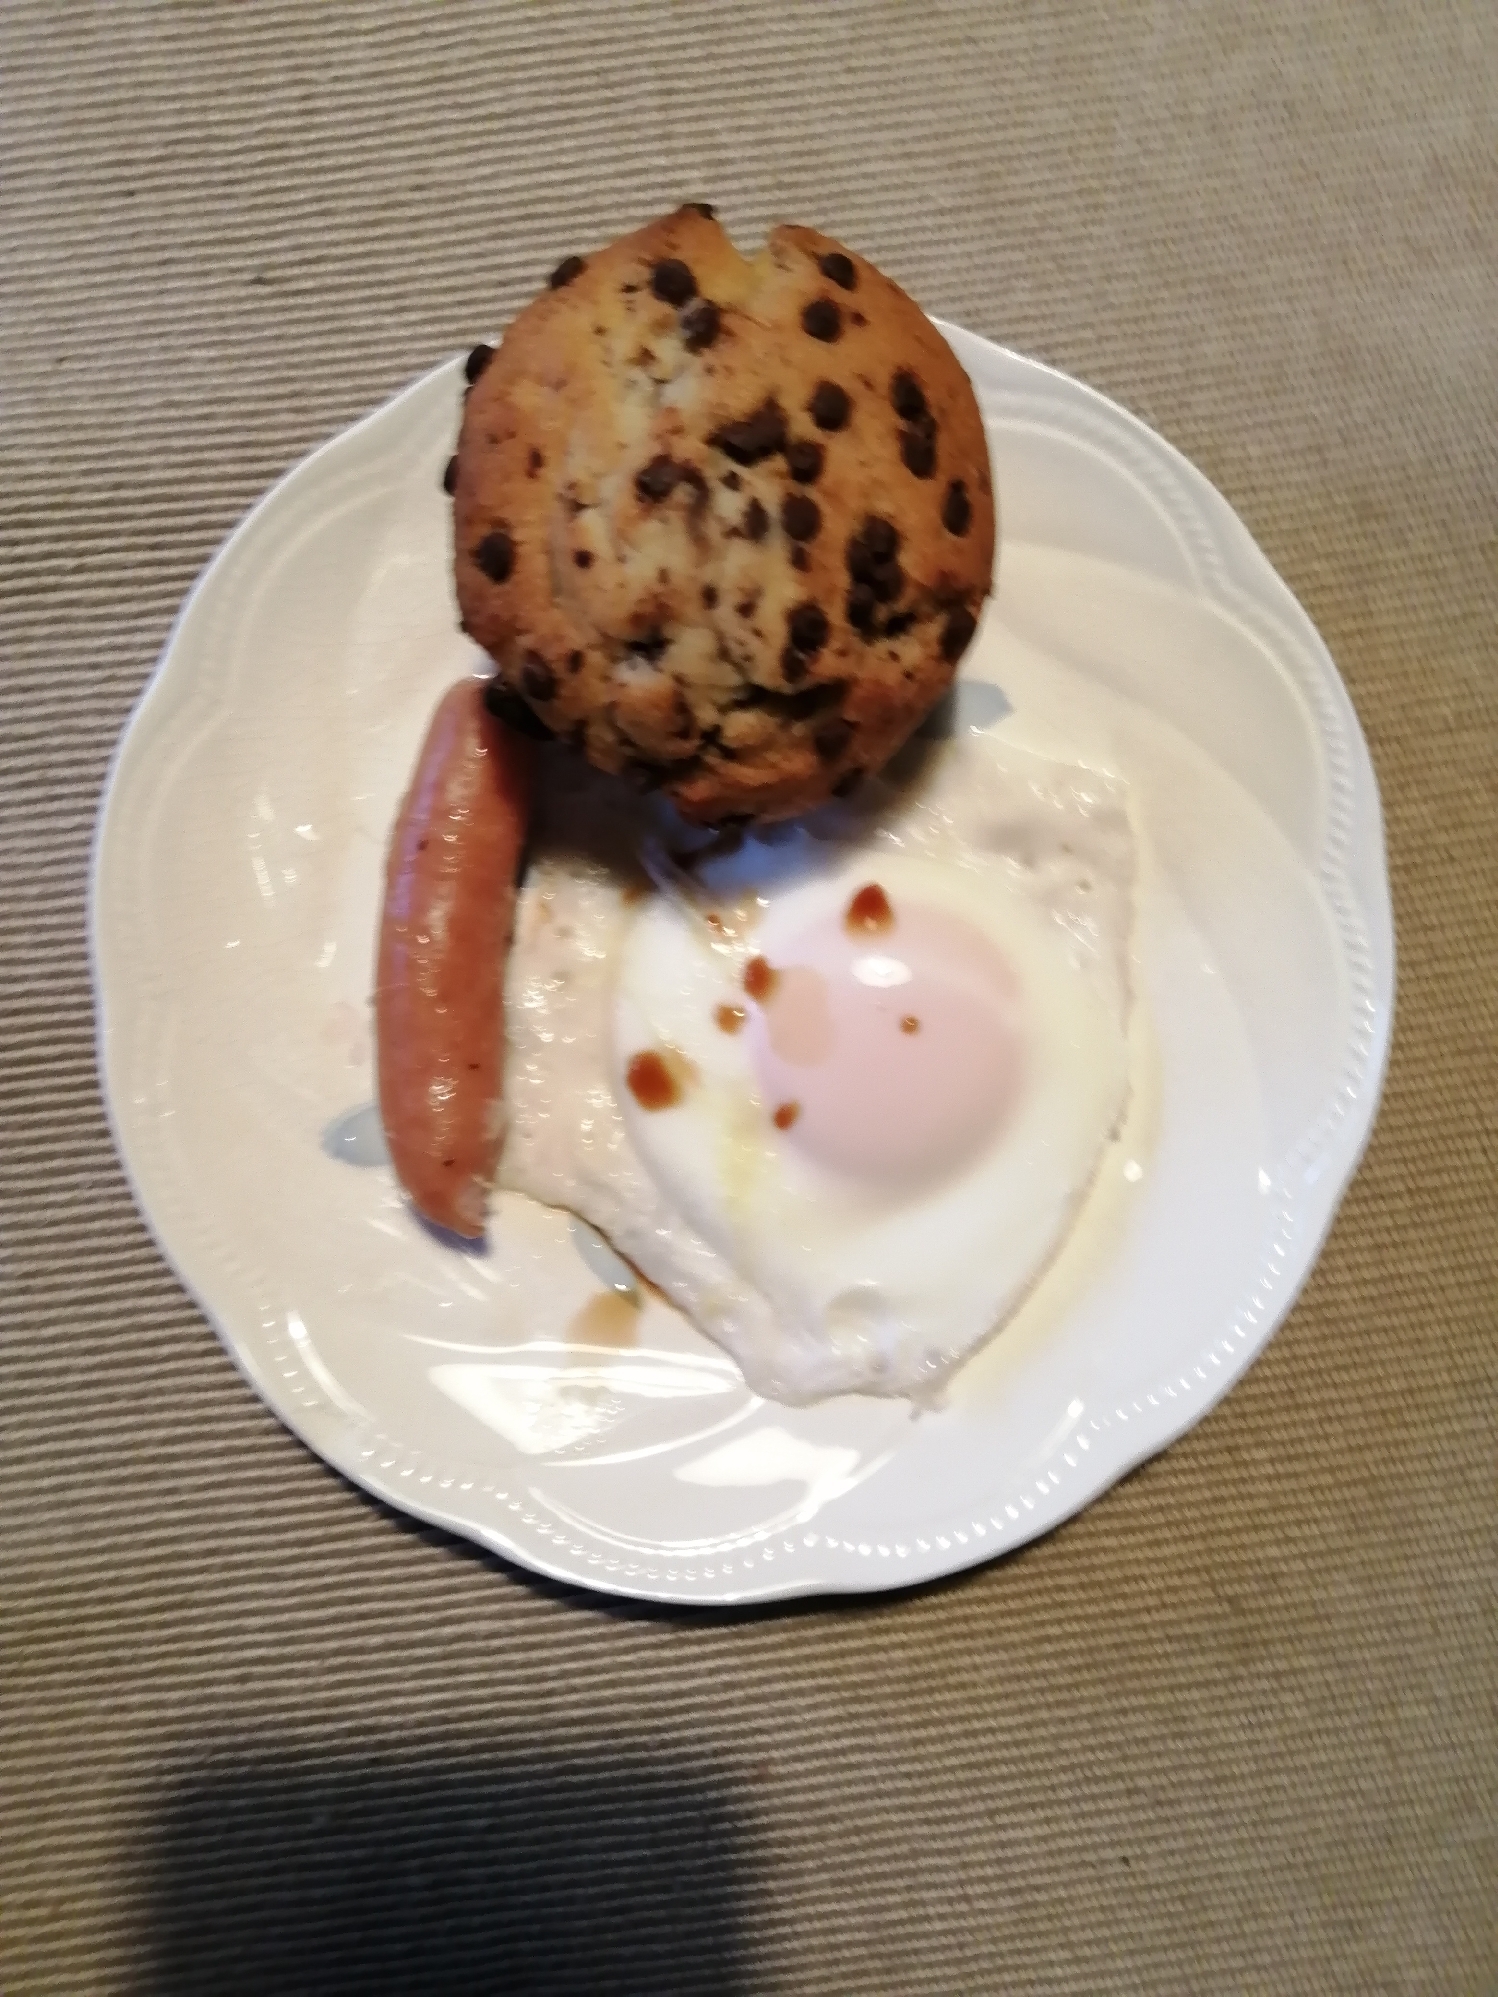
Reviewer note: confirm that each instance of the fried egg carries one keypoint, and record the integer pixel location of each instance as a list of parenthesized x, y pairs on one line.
[(838, 1092)]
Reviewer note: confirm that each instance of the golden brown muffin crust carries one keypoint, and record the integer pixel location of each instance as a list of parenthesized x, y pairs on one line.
[(726, 524)]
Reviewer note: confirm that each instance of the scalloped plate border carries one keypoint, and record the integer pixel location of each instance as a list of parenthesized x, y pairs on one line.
[(1229, 569)]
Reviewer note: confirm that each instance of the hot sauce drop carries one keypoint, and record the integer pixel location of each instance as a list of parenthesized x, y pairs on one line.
[(869, 912), (651, 1082), (760, 980)]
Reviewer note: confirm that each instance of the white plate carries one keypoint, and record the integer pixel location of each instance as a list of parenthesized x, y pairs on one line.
[(505, 1394)]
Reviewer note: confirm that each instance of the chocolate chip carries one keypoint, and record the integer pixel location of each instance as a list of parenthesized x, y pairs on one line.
[(839, 269), (583, 558), (829, 407), (574, 662), (650, 646), (672, 282), (477, 361), (756, 521), (732, 481), (881, 538), (803, 460), (709, 596), (450, 474), (918, 449), (871, 553), (906, 394), (815, 699), (832, 738), (537, 680), (705, 209), (534, 463), (508, 707), (899, 624), (861, 607), (887, 581), (807, 625), (566, 270), (847, 783), (658, 479), (792, 665), (700, 324), (958, 629), (798, 706), (800, 516), (957, 508), (800, 559), (495, 555), (751, 438), (822, 320)]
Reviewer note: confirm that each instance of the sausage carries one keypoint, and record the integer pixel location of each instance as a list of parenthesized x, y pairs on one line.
[(444, 936)]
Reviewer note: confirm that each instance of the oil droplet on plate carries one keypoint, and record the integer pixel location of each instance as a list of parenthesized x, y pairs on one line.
[(357, 1137), (610, 1318)]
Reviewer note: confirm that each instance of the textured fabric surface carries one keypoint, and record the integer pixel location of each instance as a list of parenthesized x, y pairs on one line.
[(1233, 1729)]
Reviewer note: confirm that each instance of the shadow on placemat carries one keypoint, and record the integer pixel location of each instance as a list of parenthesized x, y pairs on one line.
[(455, 1873)]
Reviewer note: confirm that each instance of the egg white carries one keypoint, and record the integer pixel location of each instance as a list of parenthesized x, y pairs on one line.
[(820, 1282)]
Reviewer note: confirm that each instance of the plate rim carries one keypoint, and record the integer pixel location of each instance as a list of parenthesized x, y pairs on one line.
[(334, 1440)]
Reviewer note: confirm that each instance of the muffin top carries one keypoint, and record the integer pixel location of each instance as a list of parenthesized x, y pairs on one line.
[(725, 524)]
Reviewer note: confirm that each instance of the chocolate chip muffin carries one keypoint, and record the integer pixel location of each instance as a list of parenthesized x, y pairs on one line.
[(724, 524)]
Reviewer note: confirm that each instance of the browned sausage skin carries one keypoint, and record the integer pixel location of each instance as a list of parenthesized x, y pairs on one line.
[(444, 937)]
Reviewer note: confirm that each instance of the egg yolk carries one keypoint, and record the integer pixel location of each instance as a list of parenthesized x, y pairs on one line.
[(902, 1050)]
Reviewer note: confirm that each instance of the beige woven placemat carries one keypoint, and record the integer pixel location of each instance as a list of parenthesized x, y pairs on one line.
[(1234, 1728)]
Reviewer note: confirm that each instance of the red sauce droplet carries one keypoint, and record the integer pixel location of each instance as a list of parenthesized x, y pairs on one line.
[(786, 1115), (869, 912), (730, 1018), (760, 980), (651, 1082), (910, 1024)]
